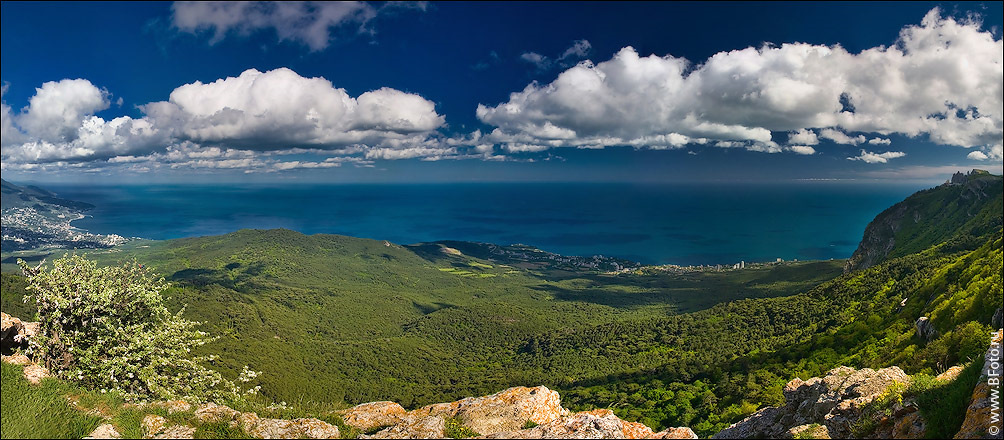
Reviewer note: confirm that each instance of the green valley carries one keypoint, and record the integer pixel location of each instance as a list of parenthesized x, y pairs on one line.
[(338, 320)]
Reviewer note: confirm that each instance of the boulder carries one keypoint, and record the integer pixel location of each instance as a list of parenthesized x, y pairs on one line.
[(925, 330), (808, 431), (675, 433), (598, 423), (433, 426), (211, 413), (17, 359), (152, 425), (286, 429), (998, 320), (10, 328), (373, 415), (35, 373), (173, 406), (950, 374), (266, 428), (176, 431), (586, 424), (508, 410), (106, 430), (835, 401)]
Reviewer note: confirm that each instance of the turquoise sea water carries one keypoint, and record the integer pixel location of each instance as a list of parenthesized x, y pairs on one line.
[(650, 223)]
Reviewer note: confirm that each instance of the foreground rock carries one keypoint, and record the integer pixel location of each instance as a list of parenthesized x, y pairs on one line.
[(155, 426), (263, 427), (106, 430), (15, 334), (599, 423), (508, 410), (518, 412), (835, 402), (369, 416), (414, 427)]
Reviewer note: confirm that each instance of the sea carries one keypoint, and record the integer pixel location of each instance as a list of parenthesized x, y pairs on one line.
[(679, 223)]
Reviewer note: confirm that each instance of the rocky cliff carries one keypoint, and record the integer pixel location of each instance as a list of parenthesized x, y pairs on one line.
[(967, 204)]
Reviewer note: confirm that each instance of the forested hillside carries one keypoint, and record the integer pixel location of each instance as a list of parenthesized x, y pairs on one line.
[(337, 319), (333, 318), (968, 205)]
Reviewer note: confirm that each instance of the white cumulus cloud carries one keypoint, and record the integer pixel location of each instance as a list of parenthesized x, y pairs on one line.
[(977, 155), (941, 78), (308, 23), (803, 137), (278, 110), (869, 157), (803, 149), (841, 137)]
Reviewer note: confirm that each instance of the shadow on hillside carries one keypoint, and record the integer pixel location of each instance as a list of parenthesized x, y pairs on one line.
[(27, 258), (607, 296), (236, 277)]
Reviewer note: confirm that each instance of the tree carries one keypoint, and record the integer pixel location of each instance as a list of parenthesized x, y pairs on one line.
[(108, 328)]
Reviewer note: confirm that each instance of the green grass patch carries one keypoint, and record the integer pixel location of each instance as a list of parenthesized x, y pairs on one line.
[(40, 411), (220, 430), (944, 404)]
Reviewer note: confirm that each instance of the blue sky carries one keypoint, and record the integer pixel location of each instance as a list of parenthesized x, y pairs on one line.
[(140, 92)]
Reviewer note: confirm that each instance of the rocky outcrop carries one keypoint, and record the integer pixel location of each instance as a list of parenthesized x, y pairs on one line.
[(155, 426), (35, 373), (518, 412), (809, 431), (172, 406), (979, 419), (925, 330), (879, 238), (106, 430), (683, 432), (598, 423), (414, 427), (369, 416), (950, 374), (836, 401), (504, 411), (265, 428), (282, 428), (970, 195), (15, 334)]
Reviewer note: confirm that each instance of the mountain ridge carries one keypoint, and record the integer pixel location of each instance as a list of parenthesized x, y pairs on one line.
[(968, 204)]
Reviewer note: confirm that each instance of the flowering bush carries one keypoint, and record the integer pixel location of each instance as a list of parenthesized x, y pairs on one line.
[(109, 329)]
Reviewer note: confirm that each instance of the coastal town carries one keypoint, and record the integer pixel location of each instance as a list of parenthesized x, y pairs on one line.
[(27, 228), (33, 218), (678, 269)]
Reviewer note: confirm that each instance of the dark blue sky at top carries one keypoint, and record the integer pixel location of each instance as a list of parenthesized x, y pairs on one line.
[(460, 55)]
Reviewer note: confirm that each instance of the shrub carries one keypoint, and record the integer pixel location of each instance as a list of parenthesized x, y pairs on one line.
[(456, 429), (108, 328)]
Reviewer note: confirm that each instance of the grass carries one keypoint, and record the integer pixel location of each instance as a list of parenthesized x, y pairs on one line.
[(220, 430), (944, 404), (39, 411)]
